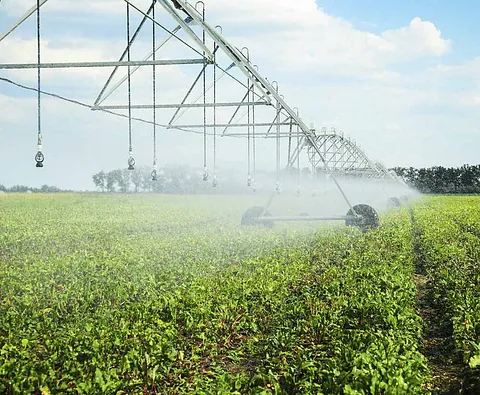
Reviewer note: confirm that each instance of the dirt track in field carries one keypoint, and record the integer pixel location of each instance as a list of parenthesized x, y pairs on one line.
[(445, 365)]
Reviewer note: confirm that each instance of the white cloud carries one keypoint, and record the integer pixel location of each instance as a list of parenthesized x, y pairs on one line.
[(469, 68), (420, 38), (301, 36), (19, 7)]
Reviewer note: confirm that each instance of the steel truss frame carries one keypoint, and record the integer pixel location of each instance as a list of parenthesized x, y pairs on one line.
[(327, 151)]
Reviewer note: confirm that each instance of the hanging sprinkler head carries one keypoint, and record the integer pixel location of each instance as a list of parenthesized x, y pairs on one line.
[(205, 174), (298, 191), (39, 157), (314, 192), (249, 181), (215, 182), (131, 161), (254, 186), (154, 171)]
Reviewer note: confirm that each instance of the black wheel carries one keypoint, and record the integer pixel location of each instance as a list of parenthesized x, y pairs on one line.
[(252, 215), (367, 217), (393, 202)]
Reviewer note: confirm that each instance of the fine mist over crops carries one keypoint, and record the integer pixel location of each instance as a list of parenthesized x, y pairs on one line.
[(316, 195)]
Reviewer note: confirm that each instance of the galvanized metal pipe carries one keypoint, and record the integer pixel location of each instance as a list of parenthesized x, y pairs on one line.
[(220, 125), (306, 218), (170, 106), (167, 62)]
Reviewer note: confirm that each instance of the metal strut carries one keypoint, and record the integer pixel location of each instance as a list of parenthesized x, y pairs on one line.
[(27, 15), (68, 65), (249, 176), (130, 42), (242, 103)]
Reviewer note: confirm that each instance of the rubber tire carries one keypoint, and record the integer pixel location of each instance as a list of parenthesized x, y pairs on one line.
[(368, 220), (393, 202), (250, 217)]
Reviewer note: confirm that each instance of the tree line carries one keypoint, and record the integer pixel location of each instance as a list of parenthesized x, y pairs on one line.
[(26, 189), (439, 179), (185, 180), (170, 180)]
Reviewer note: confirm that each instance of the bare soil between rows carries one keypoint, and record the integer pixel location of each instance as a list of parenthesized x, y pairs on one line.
[(445, 366), (444, 363)]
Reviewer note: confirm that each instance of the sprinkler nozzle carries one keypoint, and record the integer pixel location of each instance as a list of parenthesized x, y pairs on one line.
[(39, 157), (131, 162)]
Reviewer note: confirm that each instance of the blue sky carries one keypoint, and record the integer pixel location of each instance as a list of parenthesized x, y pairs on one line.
[(400, 77), (457, 20)]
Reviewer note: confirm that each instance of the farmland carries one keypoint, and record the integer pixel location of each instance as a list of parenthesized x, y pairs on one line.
[(155, 294)]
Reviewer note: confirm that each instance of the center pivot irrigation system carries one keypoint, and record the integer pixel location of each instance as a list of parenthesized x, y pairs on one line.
[(226, 97)]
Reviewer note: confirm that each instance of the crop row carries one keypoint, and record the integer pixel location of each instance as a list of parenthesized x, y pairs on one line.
[(450, 249), (349, 324)]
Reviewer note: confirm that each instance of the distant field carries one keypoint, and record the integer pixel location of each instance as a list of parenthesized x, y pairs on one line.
[(169, 294)]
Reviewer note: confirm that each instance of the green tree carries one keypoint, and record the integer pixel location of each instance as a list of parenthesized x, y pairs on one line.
[(112, 177), (124, 180), (100, 180), (137, 178)]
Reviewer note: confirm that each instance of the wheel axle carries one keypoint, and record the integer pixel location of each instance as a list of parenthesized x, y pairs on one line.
[(362, 216)]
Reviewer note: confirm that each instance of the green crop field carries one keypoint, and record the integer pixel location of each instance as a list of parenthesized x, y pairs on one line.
[(155, 294)]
